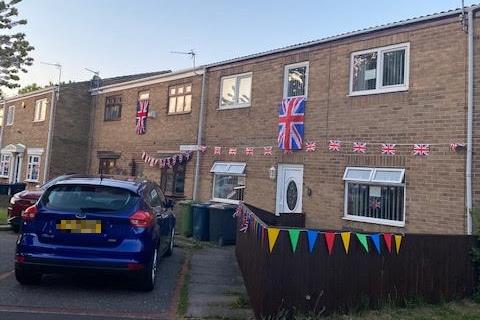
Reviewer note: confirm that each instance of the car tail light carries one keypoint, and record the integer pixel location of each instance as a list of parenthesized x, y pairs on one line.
[(29, 213), (135, 266), (19, 259), (141, 219)]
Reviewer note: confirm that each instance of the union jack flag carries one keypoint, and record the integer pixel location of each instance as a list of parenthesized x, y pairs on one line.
[(203, 148), (421, 149), (232, 151), (291, 114), (142, 113), (180, 158), (174, 161), (217, 150), (188, 155), (267, 151), (334, 145), (310, 146), (360, 147), (375, 204), (249, 151), (144, 154), (389, 149)]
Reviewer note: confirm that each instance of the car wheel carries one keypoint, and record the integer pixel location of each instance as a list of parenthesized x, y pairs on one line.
[(148, 277), (169, 251), (27, 278)]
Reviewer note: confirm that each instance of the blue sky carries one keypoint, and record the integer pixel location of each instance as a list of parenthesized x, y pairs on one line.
[(118, 37)]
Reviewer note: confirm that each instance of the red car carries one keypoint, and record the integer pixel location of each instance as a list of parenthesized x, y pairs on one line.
[(24, 199)]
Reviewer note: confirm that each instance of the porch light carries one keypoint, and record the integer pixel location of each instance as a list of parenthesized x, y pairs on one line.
[(272, 172)]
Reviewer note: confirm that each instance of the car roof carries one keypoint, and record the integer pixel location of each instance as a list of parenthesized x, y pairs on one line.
[(131, 185)]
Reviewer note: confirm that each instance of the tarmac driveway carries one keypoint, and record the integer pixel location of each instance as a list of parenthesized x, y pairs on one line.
[(75, 297)]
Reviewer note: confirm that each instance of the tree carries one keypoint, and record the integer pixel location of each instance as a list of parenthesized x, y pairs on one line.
[(30, 88), (14, 48)]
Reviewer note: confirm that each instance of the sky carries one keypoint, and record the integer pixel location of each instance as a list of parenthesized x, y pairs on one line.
[(119, 37)]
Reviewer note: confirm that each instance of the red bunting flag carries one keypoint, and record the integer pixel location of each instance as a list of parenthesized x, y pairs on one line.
[(334, 145), (388, 241), (360, 147), (421, 149), (217, 151), (249, 151), (267, 151), (310, 146), (330, 239), (389, 149), (232, 151)]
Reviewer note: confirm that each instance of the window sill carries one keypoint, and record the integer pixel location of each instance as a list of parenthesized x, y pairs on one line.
[(236, 106), (112, 120), (384, 222), (4, 177), (31, 181), (38, 121), (225, 200), (377, 91), (178, 113)]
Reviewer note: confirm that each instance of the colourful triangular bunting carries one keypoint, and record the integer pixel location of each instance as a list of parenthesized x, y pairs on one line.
[(312, 238), (272, 237), (388, 241), (330, 238), (294, 234), (346, 240), (398, 242), (363, 240), (376, 241)]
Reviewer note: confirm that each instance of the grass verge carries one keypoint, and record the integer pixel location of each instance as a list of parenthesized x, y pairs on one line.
[(182, 305), (3, 215)]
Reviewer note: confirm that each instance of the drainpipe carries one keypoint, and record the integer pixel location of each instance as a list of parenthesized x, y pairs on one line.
[(3, 122), (470, 89), (201, 119), (50, 132)]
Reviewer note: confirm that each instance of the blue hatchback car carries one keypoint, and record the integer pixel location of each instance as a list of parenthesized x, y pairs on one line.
[(96, 224)]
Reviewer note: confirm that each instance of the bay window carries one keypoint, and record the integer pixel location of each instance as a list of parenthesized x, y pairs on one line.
[(228, 181), (380, 70), (375, 195)]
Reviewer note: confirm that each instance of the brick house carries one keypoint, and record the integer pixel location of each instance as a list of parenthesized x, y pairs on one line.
[(173, 113), (36, 145), (403, 83)]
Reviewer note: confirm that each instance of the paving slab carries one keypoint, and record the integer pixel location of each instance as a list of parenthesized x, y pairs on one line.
[(216, 285)]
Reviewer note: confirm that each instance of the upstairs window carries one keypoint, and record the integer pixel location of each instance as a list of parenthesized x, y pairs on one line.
[(113, 108), (40, 110), (180, 99), (144, 95), (375, 195), (10, 115), (380, 70), (235, 91), (296, 80)]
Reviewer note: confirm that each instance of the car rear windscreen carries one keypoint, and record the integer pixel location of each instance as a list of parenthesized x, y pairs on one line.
[(91, 198)]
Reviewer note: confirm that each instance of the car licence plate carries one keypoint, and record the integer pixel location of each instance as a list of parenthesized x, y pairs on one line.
[(80, 226)]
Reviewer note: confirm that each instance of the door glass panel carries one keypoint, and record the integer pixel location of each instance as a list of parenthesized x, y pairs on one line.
[(292, 195)]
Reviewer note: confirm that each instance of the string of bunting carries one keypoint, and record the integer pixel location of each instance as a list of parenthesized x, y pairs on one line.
[(166, 162), (359, 147), (249, 221)]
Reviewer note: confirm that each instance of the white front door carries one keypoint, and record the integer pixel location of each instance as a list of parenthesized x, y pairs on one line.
[(289, 188)]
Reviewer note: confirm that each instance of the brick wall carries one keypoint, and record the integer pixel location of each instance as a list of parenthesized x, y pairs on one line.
[(433, 110)]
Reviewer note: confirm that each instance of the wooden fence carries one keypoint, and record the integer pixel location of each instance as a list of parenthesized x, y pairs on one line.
[(429, 268)]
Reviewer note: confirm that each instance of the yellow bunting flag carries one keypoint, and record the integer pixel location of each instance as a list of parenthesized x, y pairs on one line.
[(272, 237), (398, 241), (346, 240)]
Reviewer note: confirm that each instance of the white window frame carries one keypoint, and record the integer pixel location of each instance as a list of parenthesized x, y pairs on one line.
[(226, 173), (237, 78), (285, 78), (2, 164), (144, 95), (373, 182), (29, 171), (42, 112), (379, 87), (2, 113), (12, 119)]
